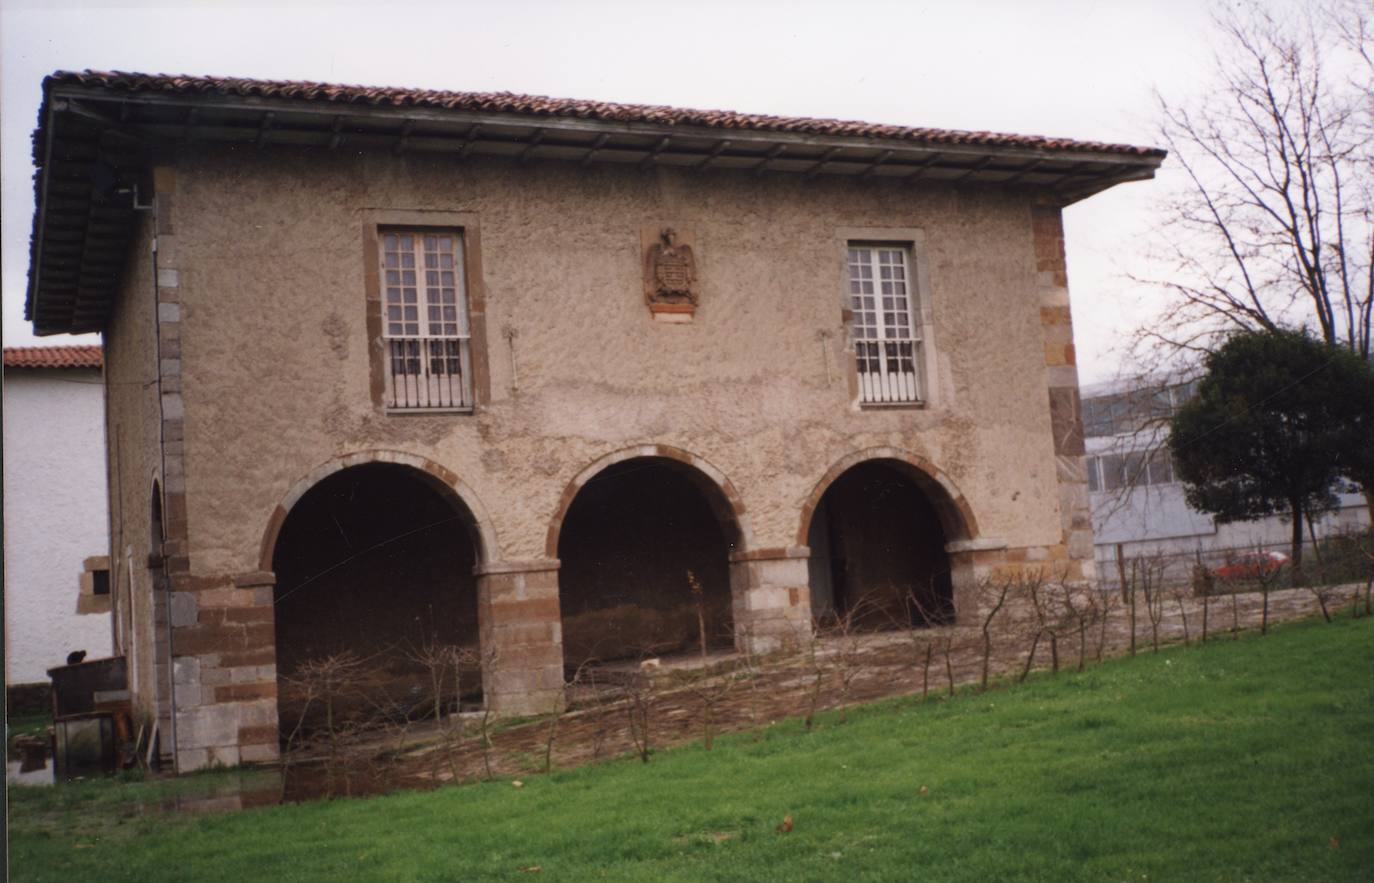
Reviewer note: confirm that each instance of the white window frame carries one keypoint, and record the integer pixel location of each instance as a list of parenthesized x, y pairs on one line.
[(900, 355), (428, 358)]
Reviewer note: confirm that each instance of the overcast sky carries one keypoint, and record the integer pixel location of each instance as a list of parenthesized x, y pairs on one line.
[(1077, 68)]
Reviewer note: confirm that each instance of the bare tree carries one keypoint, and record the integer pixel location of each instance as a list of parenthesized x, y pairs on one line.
[(1272, 227), (1271, 223), (1366, 550)]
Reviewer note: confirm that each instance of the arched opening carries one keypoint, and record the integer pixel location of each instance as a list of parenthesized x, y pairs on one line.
[(878, 548), (645, 549), (374, 567), (156, 533)]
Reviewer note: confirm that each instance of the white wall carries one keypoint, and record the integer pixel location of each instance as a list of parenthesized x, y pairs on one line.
[(55, 516)]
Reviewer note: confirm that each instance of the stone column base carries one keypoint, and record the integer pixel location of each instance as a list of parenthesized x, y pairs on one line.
[(771, 594), (224, 671), (521, 636)]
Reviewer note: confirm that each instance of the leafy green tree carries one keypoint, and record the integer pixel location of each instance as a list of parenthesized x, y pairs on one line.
[(1279, 418)]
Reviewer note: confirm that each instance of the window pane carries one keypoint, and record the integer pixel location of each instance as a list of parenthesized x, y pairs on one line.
[(1112, 472), (1134, 464), (1161, 468)]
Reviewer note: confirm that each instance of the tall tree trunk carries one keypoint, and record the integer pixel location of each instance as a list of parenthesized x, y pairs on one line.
[(1297, 542)]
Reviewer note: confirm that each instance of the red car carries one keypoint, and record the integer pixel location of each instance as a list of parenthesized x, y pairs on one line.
[(1251, 566)]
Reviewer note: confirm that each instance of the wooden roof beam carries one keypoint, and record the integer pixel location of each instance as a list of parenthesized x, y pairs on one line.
[(873, 166), (595, 149), (264, 128), (469, 139), (768, 157), (652, 156), (715, 152), (820, 163), (537, 137)]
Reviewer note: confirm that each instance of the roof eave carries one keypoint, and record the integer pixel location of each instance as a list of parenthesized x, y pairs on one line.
[(165, 120)]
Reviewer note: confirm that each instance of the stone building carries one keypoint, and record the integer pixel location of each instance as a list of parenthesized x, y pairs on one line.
[(550, 379)]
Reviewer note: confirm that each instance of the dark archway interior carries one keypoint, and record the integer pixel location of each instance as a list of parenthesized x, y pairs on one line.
[(376, 561), (878, 551), (628, 542)]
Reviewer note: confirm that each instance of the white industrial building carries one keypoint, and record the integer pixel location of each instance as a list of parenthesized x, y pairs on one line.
[(1138, 504)]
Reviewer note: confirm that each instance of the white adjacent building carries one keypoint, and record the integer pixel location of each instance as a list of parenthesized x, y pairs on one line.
[(56, 521), (1137, 502)]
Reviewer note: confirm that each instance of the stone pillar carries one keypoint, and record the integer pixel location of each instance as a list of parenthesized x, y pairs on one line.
[(771, 595), (1066, 419), (224, 654), (972, 563), (521, 631)]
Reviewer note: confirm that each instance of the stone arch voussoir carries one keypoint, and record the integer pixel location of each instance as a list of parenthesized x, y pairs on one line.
[(488, 548), (955, 513), (728, 496)]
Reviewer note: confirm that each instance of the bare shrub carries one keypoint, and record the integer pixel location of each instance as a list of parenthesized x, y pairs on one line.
[(1081, 607), (1002, 588), (1180, 597), (1147, 573), (847, 657), (711, 689), (440, 661), (1103, 599), (641, 690), (699, 599)]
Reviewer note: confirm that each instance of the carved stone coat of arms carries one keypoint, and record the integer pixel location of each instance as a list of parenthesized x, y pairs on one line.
[(670, 271)]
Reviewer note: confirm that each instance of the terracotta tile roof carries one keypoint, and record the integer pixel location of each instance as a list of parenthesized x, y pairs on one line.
[(538, 105), (52, 357)]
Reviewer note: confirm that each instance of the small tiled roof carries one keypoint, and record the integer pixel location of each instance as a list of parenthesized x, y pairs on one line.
[(539, 105), (52, 357)]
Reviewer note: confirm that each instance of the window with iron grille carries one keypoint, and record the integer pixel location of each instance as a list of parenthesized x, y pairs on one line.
[(425, 320), (884, 330)]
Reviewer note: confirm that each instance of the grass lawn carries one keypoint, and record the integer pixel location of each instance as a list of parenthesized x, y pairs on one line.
[(1245, 760)]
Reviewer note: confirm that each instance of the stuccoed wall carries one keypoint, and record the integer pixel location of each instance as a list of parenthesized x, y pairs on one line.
[(134, 464), (275, 352), (55, 517)]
